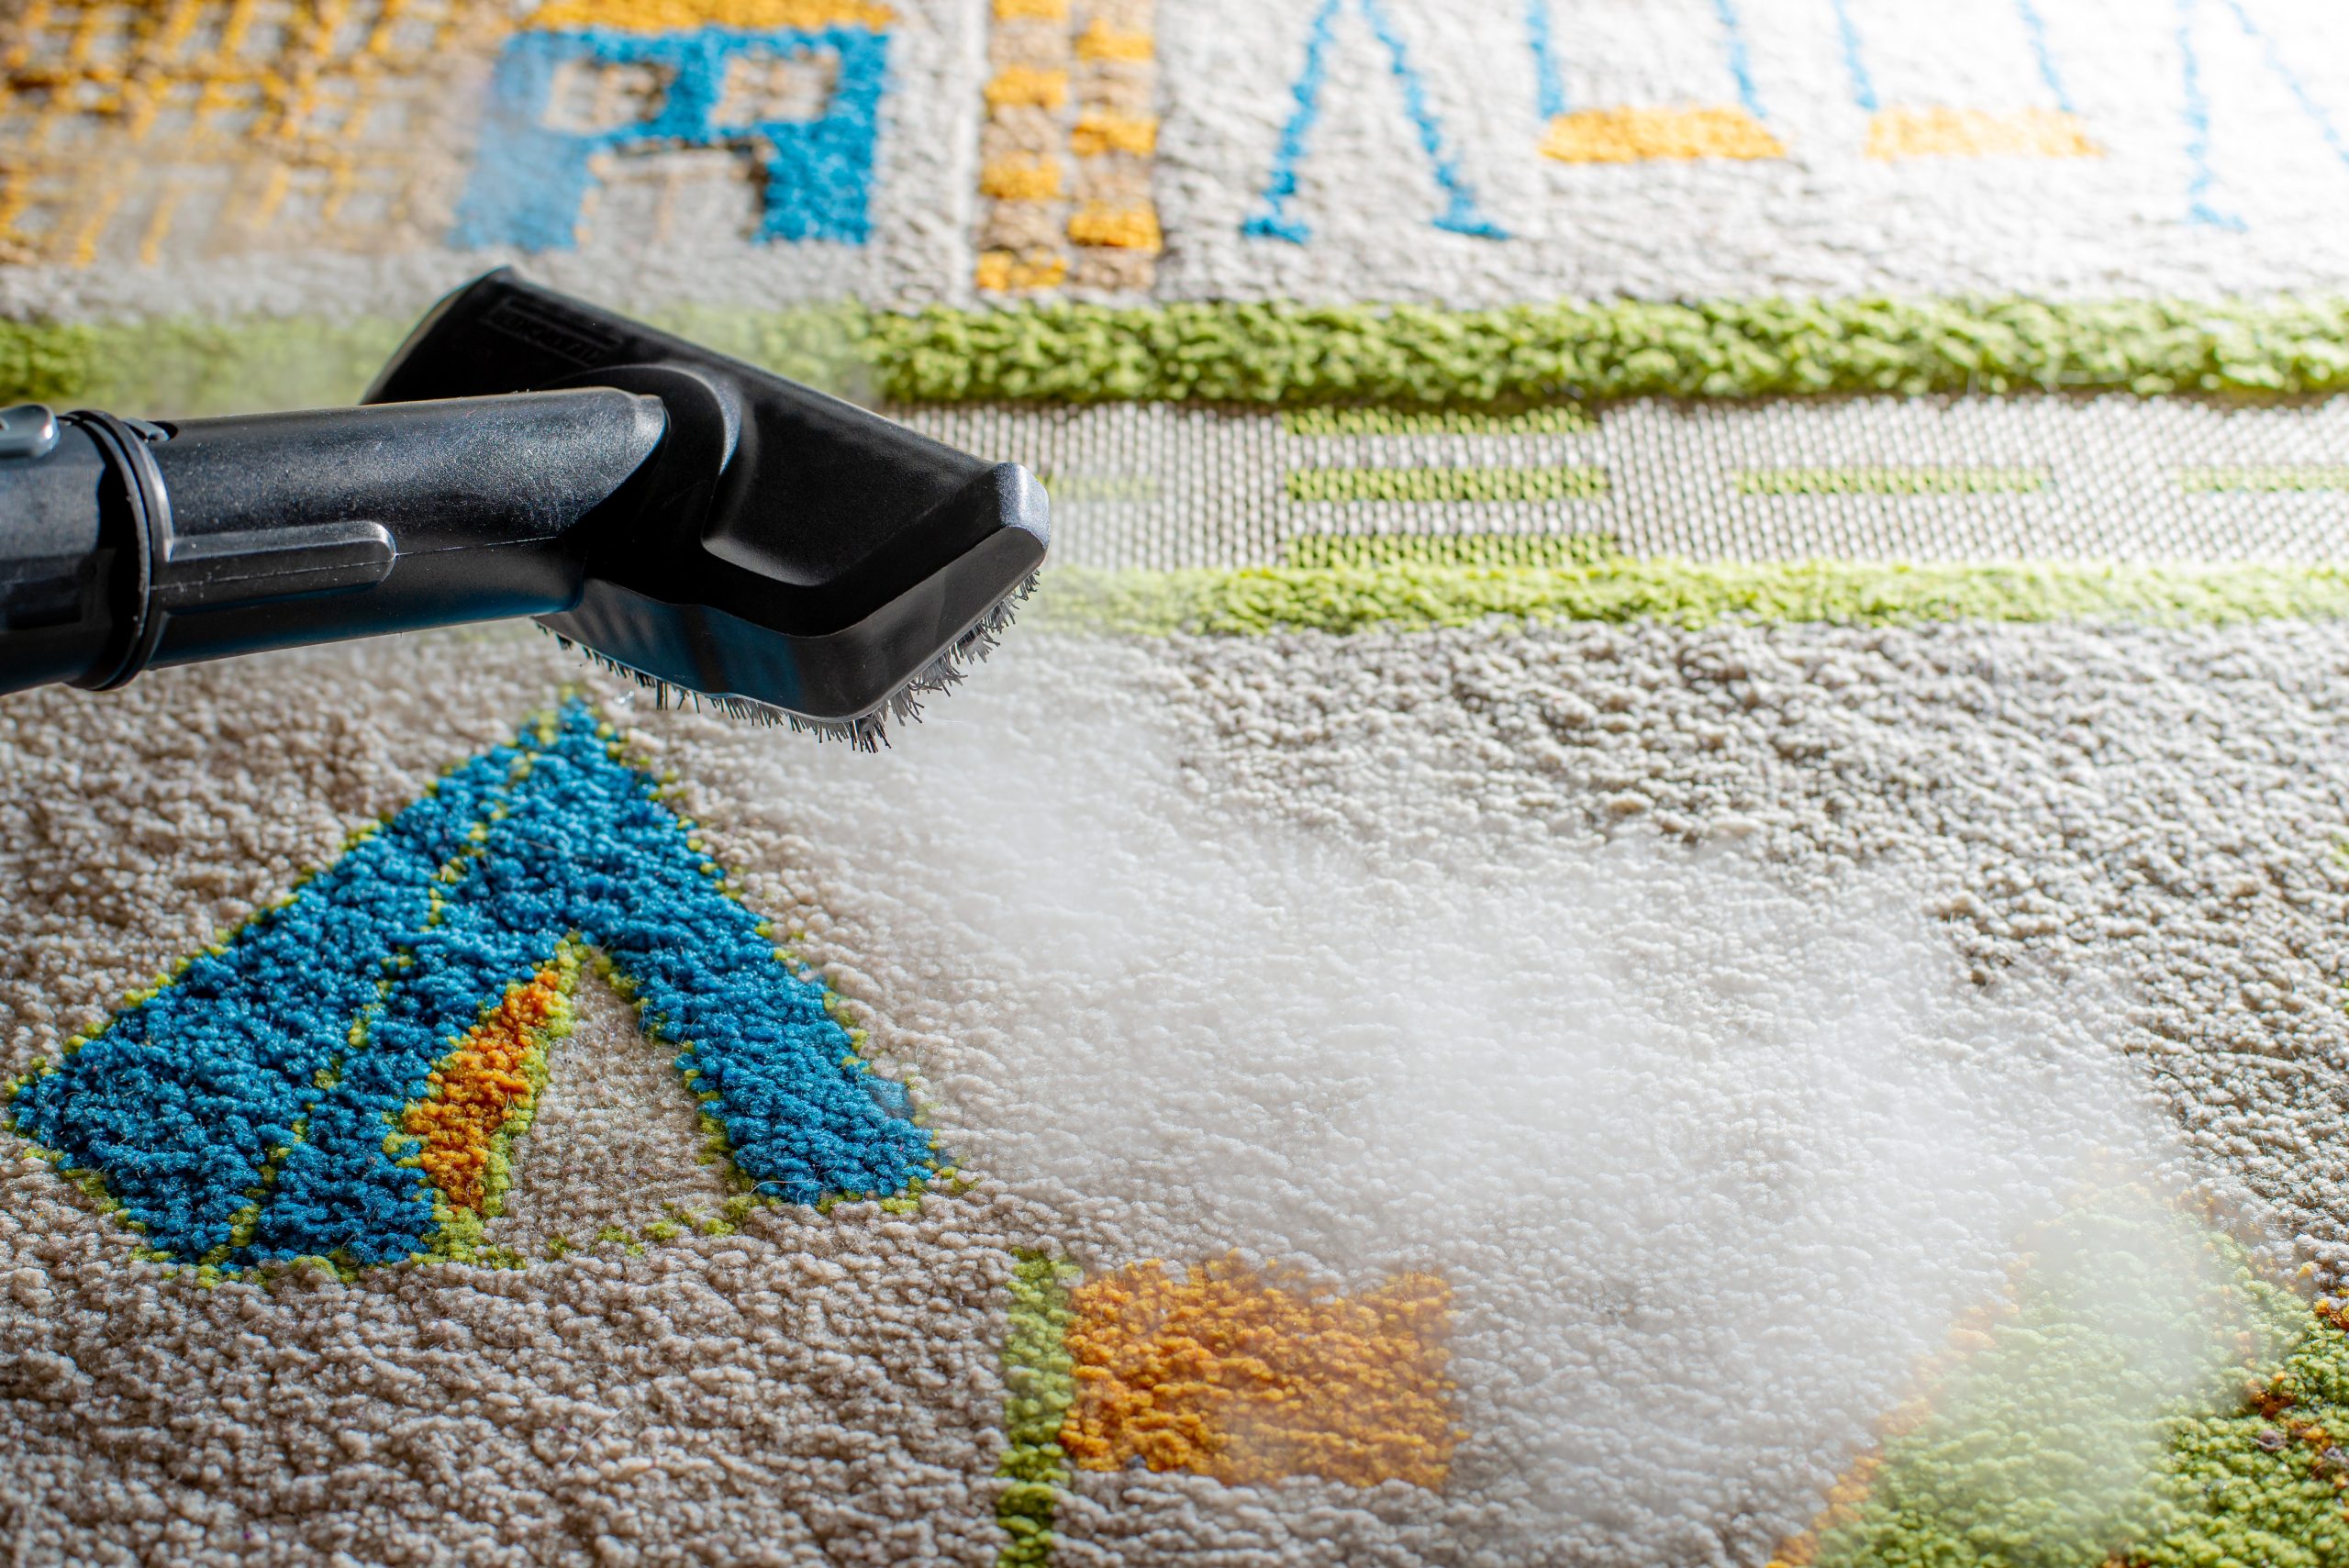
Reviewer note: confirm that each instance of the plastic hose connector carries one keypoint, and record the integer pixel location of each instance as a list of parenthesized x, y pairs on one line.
[(149, 506)]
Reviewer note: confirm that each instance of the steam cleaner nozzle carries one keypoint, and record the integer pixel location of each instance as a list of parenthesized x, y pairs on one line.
[(720, 533)]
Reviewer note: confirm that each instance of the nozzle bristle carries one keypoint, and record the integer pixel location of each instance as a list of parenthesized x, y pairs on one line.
[(867, 731)]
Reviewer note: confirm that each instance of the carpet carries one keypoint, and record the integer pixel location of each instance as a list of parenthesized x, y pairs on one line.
[(1663, 877)]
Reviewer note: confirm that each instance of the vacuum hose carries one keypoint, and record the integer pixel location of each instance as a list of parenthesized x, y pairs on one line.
[(713, 530), (126, 544)]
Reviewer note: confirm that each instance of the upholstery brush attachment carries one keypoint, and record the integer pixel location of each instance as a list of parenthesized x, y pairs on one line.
[(722, 535)]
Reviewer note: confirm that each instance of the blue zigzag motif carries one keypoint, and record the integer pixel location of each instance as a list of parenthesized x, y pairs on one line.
[(1461, 213), (2201, 206), (249, 1111)]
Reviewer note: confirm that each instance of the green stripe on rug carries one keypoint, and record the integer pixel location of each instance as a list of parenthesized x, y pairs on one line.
[(196, 368), (1375, 550), (1560, 483), (1068, 487), (1410, 597), (1545, 419), (2131, 1402), (1401, 357), (1417, 356), (2262, 1482), (1039, 1383), (2261, 481), (1890, 480)]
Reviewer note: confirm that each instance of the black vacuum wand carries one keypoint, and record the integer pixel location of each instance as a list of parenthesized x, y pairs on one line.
[(720, 533)]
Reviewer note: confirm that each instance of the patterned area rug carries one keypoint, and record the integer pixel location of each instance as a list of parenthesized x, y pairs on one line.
[(1663, 880)]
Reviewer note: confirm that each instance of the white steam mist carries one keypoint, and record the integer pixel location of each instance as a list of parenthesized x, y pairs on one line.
[(1713, 1152)]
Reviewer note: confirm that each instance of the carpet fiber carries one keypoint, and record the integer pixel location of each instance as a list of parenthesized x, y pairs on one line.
[(1663, 880)]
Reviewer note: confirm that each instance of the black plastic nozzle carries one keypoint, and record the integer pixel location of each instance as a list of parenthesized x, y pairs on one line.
[(695, 521), (793, 552)]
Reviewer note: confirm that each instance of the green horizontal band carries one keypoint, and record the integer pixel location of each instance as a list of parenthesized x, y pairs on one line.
[(186, 368), (1623, 589), (2264, 481), (1402, 357), (1891, 481), (1361, 551), (1068, 487), (1567, 483), (1544, 419), (1423, 357), (194, 368)]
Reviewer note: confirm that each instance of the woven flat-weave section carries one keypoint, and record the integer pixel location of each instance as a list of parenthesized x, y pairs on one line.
[(1660, 880), (2113, 478)]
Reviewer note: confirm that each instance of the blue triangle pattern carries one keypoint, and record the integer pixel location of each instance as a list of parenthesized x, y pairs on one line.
[(249, 1111)]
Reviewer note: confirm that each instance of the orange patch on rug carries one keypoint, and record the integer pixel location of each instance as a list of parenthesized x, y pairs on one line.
[(1248, 1377), (479, 1086)]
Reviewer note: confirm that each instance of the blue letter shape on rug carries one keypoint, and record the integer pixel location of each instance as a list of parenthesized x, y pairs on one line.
[(250, 1110), (531, 181)]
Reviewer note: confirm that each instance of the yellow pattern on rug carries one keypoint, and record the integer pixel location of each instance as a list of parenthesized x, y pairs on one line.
[(1065, 153), (1249, 1377), (683, 15), (482, 1086), (1938, 132), (1638, 133), (178, 131)]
